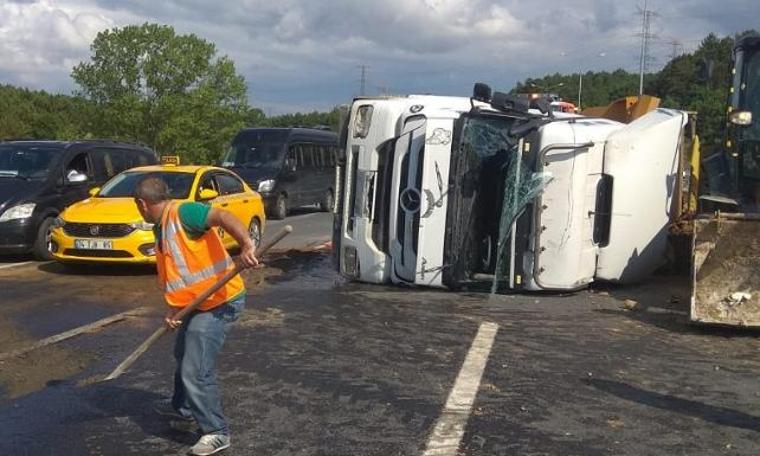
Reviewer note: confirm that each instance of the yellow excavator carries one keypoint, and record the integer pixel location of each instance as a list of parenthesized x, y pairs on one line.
[(726, 234)]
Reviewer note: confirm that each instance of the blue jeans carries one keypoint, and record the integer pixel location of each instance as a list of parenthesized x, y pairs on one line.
[(199, 339)]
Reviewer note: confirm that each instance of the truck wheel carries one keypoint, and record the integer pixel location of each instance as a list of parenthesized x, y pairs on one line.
[(254, 232), (43, 242), (327, 201), (280, 210)]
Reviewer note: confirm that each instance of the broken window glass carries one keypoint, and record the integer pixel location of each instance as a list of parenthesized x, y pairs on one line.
[(522, 186), (487, 190)]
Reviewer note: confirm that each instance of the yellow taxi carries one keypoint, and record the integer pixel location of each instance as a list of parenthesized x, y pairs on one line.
[(107, 227)]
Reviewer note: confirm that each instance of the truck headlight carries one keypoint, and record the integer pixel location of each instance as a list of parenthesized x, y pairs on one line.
[(741, 118), (362, 121), (142, 226), (21, 211), (266, 186)]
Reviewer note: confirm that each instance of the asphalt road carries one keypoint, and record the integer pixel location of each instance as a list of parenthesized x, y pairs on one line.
[(318, 366)]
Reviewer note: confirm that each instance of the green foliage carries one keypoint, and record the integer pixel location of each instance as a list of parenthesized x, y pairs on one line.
[(169, 91), (314, 119), (31, 114), (598, 88), (694, 82)]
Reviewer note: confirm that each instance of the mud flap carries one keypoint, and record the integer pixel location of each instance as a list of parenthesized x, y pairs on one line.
[(726, 270)]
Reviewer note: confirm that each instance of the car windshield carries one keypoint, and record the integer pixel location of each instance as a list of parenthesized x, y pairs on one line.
[(28, 161), (255, 155), (257, 148), (124, 185)]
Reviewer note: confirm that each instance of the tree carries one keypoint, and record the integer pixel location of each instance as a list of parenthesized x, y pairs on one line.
[(169, 91), (39, 115)]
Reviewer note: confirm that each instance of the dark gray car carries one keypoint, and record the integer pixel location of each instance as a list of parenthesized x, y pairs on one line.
[(38, 179)]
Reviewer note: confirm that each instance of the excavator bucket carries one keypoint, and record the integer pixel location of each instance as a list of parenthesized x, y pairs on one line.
[(726, 270)]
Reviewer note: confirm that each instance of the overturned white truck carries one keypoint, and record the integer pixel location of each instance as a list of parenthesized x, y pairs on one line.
[(454, 191)]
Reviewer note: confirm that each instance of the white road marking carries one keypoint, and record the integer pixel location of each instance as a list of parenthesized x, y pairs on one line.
[(13, 265), (449, 430)]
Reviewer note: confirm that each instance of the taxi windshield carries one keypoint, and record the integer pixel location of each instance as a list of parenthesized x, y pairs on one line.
[(124, 185)]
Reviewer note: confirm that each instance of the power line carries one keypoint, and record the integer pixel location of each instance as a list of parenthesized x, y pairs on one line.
[(363, 80), (677, 49), (646, 37)]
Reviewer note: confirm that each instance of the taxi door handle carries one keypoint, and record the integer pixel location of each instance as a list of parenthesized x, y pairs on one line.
[(245, 201), (225, 204)]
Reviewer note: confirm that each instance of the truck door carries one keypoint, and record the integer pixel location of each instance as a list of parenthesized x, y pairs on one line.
[(642, 161)]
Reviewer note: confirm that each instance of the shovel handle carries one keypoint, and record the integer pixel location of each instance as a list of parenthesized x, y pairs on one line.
[(121, 368)]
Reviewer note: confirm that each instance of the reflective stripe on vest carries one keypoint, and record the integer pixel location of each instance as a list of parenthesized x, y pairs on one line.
[(192, 278), (188, 266)]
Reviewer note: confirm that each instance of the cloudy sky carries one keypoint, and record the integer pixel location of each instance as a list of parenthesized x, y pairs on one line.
[(305, 54)]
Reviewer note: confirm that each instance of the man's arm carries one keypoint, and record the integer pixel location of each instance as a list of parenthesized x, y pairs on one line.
[(228, 222)]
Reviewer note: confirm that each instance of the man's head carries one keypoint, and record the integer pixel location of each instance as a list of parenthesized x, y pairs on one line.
[(151, 196)]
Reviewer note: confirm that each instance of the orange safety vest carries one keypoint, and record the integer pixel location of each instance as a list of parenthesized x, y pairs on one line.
[(188, 267)]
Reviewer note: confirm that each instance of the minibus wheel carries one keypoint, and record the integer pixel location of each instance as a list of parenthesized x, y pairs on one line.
[(327, 201)]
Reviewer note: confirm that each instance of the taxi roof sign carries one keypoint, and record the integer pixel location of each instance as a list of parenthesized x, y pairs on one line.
[(170, 160)]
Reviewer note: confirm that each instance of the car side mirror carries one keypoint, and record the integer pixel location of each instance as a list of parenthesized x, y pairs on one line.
[(75, 177), (290, 165), (94, 191), (207, 194)]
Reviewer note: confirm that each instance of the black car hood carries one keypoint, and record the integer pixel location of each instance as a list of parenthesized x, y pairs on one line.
[(254, 175), (14, 190)]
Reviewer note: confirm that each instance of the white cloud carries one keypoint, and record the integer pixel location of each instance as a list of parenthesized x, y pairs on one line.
[(301, 53), (40, 42)]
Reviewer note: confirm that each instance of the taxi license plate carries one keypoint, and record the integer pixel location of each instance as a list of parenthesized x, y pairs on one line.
[(93, 244)]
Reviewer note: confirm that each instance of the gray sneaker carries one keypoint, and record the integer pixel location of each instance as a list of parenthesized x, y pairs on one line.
[(164, 407), (210, 444)]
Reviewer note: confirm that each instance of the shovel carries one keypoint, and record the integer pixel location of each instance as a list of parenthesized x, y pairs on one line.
[(121, 368)]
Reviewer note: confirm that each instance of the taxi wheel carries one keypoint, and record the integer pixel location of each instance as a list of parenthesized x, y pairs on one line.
[(43, 243), (254, 232), (280, 210)]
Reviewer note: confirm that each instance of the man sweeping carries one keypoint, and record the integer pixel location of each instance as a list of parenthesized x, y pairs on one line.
[(190, 257)]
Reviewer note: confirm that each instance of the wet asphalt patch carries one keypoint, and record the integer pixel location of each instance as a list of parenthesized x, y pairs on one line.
[(317, 366)]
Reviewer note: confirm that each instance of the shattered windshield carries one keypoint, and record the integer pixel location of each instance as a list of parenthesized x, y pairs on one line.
[(494, 184)]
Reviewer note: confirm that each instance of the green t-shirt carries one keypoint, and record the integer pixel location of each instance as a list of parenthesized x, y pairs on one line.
[(193, 217)]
